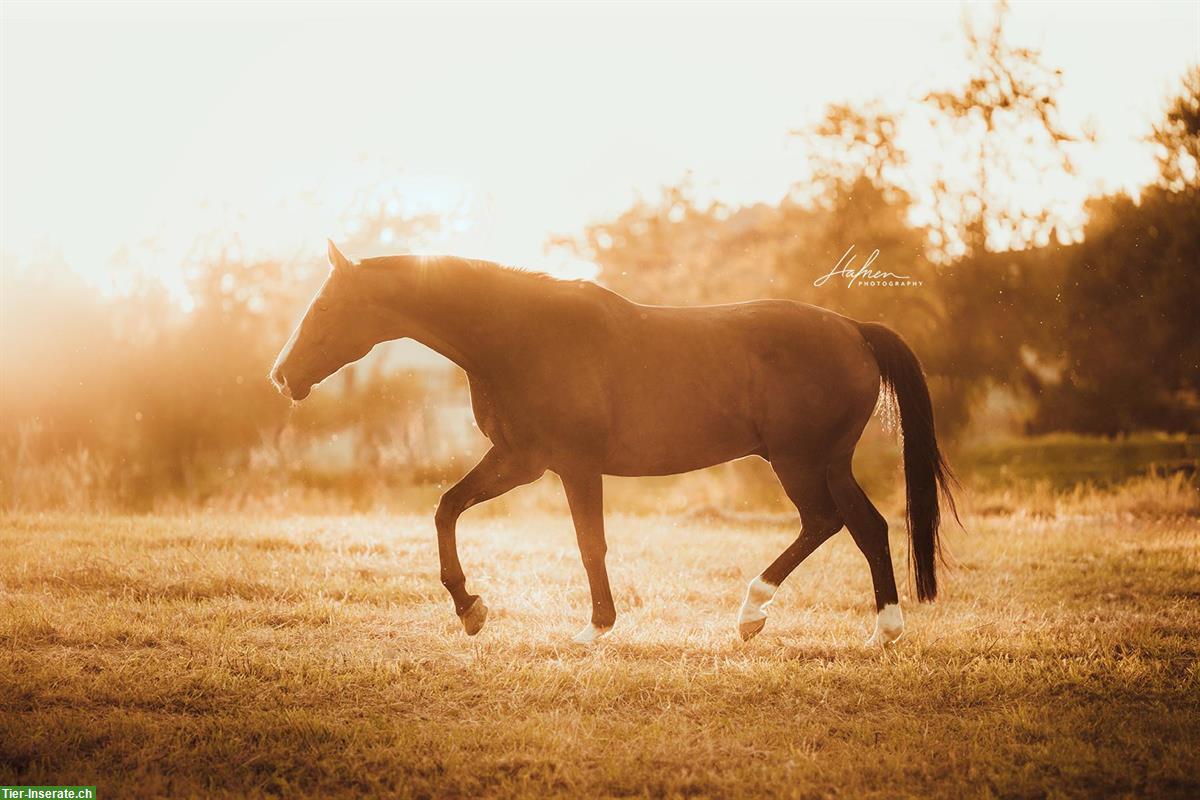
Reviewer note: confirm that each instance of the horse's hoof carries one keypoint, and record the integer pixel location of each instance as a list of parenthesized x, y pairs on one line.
[(590, 635), (474, 617), (750, 629), (880, 639)]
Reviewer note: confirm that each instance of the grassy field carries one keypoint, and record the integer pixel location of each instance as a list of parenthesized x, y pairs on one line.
[(214, 655)]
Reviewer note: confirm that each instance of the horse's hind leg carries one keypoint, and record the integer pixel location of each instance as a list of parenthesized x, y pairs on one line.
[(870, 532), (807, 488)]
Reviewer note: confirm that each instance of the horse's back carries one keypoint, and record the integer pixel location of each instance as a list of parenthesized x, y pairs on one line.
[(782, 341)]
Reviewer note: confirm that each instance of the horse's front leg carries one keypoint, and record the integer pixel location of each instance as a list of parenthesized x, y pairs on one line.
[(585, 495), (498, 472)]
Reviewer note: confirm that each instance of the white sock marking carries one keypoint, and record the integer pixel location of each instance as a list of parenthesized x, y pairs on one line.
[(590, 634), (889, 625), (759, 595)]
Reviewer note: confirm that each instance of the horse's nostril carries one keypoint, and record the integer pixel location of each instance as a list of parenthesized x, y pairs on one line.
[(280, 382)]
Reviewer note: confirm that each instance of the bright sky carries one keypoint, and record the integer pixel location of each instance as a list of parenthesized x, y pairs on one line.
[(148, 126)]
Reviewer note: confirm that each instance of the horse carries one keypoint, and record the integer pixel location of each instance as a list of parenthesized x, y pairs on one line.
[(570, 377)]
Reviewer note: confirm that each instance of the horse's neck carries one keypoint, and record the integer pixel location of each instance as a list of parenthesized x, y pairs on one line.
[(449, 313)]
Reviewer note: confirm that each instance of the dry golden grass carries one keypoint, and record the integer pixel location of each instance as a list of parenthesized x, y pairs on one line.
[(225, 655)]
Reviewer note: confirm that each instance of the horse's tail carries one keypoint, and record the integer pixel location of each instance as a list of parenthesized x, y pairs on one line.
[(925, 470)]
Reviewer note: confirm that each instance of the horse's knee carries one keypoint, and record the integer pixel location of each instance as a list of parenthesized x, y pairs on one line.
[(449, 509), (443, 517)]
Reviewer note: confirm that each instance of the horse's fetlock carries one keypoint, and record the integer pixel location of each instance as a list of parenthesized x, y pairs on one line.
[(604, 618)]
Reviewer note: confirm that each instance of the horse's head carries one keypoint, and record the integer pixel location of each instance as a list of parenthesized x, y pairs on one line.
[(332, 334)]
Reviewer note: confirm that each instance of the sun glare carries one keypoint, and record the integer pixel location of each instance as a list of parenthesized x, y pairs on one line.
[(507, 171)]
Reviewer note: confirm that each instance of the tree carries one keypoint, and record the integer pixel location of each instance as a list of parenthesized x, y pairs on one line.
[(1128, 348), (1000, 131), (1177, 136)]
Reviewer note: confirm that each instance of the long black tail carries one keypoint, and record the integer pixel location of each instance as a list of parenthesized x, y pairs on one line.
[(925, 470)]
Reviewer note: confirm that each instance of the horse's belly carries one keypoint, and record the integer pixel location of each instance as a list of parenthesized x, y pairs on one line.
[(672, 465), (678, 443)]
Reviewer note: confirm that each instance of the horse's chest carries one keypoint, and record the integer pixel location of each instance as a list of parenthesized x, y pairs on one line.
[(522, 416), (501, 420), (483, 406)]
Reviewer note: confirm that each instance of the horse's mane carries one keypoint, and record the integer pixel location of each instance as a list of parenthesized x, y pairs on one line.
[(512, 281)]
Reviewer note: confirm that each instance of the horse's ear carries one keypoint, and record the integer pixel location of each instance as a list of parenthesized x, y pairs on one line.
[(336, 259)]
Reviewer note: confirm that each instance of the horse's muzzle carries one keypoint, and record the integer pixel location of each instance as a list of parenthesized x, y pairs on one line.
[(280, 382)]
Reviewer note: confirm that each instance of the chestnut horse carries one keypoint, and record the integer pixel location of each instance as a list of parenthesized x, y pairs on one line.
[(569, 377)]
